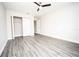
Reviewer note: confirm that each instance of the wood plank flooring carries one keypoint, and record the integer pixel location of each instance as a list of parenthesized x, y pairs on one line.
[(40, 46)]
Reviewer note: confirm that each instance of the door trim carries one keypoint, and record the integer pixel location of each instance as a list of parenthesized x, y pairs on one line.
[(12, 26)]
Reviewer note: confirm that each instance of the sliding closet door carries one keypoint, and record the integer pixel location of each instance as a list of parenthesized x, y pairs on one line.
[(17, 26)]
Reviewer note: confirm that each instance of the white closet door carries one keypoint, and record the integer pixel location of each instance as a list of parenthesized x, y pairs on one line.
[(17, 27)]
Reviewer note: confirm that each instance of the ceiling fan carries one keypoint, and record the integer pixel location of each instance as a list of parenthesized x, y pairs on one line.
[(40, 5)]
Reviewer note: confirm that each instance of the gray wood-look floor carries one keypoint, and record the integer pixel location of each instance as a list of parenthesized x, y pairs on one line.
[(40, 46)]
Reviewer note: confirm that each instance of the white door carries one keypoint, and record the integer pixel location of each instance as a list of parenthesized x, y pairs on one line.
[(17, 26)]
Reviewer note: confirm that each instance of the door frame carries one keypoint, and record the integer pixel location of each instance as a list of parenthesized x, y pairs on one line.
[(12, 26)]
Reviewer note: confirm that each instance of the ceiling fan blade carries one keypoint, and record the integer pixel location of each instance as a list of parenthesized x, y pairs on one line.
[(38, 9), (46, 5), (36, 3)]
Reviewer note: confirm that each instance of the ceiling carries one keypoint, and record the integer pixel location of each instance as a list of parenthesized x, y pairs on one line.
[(30, 7)]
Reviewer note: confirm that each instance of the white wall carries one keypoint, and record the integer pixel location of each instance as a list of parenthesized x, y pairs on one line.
[(38, 26), (61, 23), (3, 29), (23, 15), (28, 26)]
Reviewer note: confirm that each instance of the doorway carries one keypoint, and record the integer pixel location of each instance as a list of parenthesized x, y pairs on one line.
[(35, 27), (17, 27)]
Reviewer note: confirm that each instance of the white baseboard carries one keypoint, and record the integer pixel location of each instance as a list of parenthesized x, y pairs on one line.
[(9, 38), (3, 47), (23, 36), (61, 38)]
